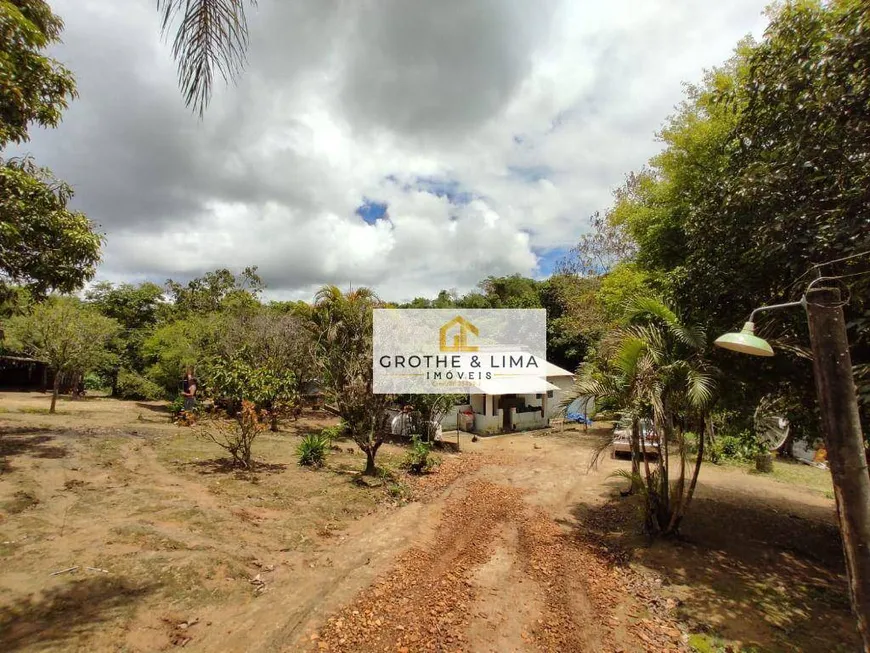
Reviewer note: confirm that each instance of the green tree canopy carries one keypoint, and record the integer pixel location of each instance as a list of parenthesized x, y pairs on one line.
[(33, 86), (65, 333), (43, 245)]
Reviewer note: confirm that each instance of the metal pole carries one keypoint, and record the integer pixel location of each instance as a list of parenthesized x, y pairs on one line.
[(844, 442)]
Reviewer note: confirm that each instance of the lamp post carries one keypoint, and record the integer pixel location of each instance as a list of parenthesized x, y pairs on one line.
[(841, 428)]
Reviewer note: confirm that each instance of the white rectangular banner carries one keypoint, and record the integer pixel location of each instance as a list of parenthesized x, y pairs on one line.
[(459, 351)]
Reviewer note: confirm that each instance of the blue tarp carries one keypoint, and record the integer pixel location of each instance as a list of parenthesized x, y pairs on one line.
[(574, 414)]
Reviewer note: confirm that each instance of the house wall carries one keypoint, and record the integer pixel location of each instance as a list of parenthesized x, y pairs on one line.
[(488, 423), (526, 421), (554, 403), (448, 423)]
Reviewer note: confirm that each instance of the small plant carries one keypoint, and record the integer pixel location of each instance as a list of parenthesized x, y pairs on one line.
[(237, 436), (332, 433), (312, 450), (177, 406), (419, 459), (94, 381)]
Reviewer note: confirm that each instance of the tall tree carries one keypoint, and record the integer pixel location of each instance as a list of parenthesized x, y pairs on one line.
[(343, 324), (274, 349), (137, 309), (43, 245), (217, 290), (33, 86), (66, 334)]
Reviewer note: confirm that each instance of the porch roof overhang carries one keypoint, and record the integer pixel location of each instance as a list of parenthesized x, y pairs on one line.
[(514, 385), (555, 370)]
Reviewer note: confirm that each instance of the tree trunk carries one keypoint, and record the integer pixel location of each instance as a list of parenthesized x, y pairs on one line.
[(54, 391), (685, 506), (370, 469), (635, 456), (841, 427), (273, 424)]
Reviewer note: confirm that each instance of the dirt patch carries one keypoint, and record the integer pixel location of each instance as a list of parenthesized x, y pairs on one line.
[(179, 535), (758, 565), (422, 604), (502, 620), (429, 487), (514, 544), (452, 595)]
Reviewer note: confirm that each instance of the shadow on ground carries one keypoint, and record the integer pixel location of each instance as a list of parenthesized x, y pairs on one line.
[(768, 574), (227, 466), (15, 442), (156, 408), (67, 613)]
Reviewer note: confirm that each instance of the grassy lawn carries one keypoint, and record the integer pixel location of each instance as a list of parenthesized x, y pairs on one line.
[(793, 473)]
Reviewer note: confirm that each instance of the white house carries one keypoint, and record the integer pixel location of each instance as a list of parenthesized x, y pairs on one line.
[(505, 404)]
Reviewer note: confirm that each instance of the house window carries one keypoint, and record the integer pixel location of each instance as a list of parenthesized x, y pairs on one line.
[(549, 394), (538, 396)]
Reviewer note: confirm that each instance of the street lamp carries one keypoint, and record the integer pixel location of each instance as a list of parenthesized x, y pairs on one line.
[(841, 426), (745, 341)]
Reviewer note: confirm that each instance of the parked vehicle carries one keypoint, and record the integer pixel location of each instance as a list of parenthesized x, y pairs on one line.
[(622, 438)]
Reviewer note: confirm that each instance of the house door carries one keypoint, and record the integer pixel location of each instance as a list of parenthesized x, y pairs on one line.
[(506, 402)]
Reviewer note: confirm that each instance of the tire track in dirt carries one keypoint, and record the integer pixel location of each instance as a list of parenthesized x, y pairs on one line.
[(423, 603), (591, 604), (489, 542)]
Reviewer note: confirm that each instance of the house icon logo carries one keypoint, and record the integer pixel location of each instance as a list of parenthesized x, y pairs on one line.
[(460, 337)]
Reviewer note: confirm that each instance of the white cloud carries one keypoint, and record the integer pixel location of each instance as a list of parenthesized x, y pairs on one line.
[(526, 113)]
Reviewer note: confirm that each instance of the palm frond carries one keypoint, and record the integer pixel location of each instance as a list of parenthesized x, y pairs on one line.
[(211, 35), (700, 387), (652, 337), (690, 335), (587, 387), (631, 349)]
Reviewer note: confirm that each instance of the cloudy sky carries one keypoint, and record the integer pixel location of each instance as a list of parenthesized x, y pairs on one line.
[(406, 145)]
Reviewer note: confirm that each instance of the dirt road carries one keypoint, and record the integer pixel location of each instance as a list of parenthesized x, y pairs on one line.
[(510, 546), (500, 574)]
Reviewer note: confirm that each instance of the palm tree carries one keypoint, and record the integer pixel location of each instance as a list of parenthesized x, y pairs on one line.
[(679, 386), (343, 331), (657, 368), (210, 35)]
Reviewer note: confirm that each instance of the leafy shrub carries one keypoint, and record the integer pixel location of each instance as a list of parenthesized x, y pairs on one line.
[(742, 446), (332, 433), (235, 379), (237, 436), (420, 459), (312, 450), (94, 381), (135, 386), (176, 406)]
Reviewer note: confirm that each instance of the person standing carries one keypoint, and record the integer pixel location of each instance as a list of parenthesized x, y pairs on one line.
[(188, 390)]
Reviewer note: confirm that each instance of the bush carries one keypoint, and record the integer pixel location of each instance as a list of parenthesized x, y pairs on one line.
[(177, 406), (94, 382), (312, 449), (420, 459), (135, 386), (742, 446), (237, 436), (333, 432)]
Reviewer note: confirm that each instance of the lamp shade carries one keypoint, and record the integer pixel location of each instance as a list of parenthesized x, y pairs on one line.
[(746, 342)]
